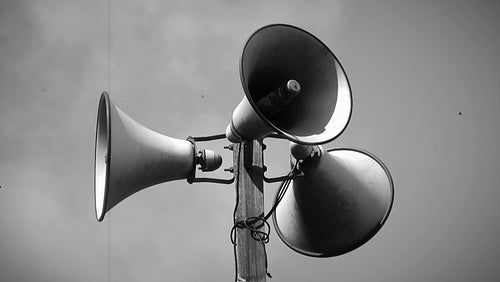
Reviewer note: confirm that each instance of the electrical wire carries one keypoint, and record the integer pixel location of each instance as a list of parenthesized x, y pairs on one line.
[(109, 91), (109, 246), (234, 217)]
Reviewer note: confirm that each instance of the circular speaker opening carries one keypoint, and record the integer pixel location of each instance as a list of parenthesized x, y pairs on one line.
[(102, 153), (278, 53)]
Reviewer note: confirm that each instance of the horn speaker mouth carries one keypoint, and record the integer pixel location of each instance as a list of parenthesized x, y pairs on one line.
[(327, 215), (102, 156), (276, 53)]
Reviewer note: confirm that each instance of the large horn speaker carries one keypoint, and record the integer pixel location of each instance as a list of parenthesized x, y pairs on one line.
[(342, 200), (315, 108), (130, 157)]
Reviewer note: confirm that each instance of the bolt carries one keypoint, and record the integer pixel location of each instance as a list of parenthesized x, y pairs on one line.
[(229, 147), (293, 85), (231, 169)]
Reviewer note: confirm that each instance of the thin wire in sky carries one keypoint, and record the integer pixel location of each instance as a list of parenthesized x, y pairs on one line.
[(109, 91), (109, 46), (109, 246)]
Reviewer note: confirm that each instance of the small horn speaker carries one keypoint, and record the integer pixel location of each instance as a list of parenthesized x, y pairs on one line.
[(342, 200), (130, 157), (294, 86)]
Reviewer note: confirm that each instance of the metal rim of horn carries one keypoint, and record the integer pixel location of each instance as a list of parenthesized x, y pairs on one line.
[(102, 151), (343, 248), (321, 112)]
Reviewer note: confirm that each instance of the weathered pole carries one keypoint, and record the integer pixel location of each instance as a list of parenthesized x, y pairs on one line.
[(249, 174)]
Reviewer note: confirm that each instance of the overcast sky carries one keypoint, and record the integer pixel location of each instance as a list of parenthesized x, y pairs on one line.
[(425, 77)]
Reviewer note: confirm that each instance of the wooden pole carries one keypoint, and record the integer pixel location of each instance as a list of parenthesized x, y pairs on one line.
[(249, 173)]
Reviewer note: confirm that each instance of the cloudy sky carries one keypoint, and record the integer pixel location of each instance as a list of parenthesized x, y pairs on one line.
[(425, 80)]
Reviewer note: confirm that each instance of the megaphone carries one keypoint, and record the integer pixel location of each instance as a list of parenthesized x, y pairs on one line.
[(294, 86), (130, 157), (342, 199)]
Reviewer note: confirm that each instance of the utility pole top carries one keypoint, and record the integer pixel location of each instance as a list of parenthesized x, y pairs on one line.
[(249, 252)]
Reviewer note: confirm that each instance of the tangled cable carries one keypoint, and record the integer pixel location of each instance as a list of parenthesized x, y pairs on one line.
[(254, 224), (259, 226)]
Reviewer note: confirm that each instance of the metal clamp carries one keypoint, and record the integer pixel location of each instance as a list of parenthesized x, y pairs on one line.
[(192, 177)]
